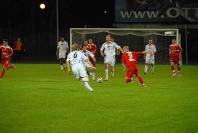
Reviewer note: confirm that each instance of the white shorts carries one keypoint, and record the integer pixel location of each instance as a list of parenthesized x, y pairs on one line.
[(79, 71), (150, 61), (109, 60), (62, 55)]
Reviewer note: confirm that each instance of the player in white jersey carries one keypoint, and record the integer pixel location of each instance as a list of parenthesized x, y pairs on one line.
[(75, 59), (150, 50), (89, 55), (61, 52), (108, 52)]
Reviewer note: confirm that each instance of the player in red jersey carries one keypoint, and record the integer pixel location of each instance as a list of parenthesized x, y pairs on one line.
[(175, 51), (6, 53), (93, 49), (130, 60)]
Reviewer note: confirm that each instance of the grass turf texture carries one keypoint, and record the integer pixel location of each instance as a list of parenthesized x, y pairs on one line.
[(40, 98)]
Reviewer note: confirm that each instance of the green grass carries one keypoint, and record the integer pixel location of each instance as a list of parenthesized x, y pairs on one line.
[(40, 98)]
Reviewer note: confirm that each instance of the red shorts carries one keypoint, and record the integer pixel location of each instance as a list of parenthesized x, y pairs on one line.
[(6, 62), (175, 59), (130, 72)]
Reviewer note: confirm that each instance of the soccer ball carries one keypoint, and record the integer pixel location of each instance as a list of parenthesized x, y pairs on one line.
[(99, 80)]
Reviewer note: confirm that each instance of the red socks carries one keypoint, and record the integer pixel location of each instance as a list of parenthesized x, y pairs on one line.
[(2, 74), (140, 79)]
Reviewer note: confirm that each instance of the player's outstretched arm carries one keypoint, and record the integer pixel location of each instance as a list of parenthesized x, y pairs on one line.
[(102, 50), (121, 50), (144, 52)]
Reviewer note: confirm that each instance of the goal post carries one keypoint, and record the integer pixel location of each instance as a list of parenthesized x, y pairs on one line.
[(136, 38)]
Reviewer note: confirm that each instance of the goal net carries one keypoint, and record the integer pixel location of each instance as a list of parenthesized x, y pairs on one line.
[(136, 39)]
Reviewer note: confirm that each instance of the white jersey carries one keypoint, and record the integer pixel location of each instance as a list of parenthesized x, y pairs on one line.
[(76, 57), (150, 51), (63, 47), (109, 48)]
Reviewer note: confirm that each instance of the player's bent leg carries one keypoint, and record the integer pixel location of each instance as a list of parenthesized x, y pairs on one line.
[(61, 63), (86, 84), (64, 64), (179, 69), (3, 72), (145, 68), (140, 78), (112, 63), (112, 71), (84, 77), (106, 72), (173, 68), (129, 75), (92, 73)]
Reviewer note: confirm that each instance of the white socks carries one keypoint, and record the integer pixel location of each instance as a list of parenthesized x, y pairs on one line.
[(94, 75), (106, 74), (145, 68), (86, 84)]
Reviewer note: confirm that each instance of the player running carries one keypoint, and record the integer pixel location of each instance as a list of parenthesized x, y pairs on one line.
[(75, 59), (93, 49), (149, 56), (92, 46), (175, 52), (61, 52), (6, 53), (108, 52), (91, 58), (130, 60)]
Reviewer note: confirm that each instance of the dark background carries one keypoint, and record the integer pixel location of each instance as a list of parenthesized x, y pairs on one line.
[(37, 28)]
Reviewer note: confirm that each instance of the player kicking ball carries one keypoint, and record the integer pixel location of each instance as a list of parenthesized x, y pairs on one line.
[(75, 59), (130, 60), (6, 54)]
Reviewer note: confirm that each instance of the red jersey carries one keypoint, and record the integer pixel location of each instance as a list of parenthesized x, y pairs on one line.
[(92, 48), (175, 51), (130, 58), (6, 51)]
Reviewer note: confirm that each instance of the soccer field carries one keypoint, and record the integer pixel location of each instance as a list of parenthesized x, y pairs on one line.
[(40, 98)]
